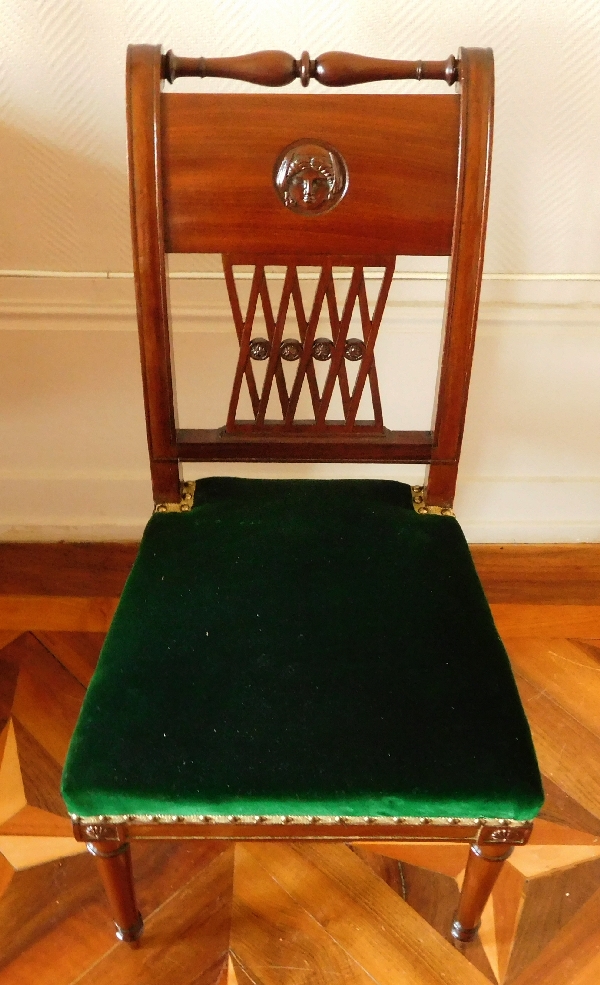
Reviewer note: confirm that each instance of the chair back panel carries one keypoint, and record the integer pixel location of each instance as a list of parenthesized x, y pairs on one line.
[(219, 152), (406, 175)]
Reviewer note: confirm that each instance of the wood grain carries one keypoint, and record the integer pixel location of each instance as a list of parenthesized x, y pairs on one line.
[(433, 894), (567, 673), (560, 574), (567, 752), (564, 810), (7, 636), (573, 956), (449, 859), (508, 900), (35, 821), (6, 875), (547, 833), (412, 137), (536, 860), (40, 773), (33, 612), (274, 938), (334, 886), (54, 924), (237, 975), (63, 569), (388, 869), (47, 698), (9, 674), (77, 652), (26, 851), (488, 939), (547, 620), (12, 793), (551, 906)]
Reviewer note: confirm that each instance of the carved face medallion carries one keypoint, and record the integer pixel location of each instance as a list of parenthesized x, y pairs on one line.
[(310, 177)]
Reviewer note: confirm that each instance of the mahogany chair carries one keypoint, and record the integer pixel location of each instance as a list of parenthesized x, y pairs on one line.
[(299, 659)]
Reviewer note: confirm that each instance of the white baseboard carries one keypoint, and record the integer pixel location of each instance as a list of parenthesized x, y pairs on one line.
[(101, 507), (530, 532)]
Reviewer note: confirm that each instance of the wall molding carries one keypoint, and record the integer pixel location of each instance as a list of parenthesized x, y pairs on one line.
[(411, 316), (216, 275), (98, 301)]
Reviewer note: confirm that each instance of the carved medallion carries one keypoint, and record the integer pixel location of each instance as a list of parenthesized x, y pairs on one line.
[(310, 177)]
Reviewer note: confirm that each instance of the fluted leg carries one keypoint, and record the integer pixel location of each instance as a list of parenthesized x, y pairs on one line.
[(114, 866), (483, 868)]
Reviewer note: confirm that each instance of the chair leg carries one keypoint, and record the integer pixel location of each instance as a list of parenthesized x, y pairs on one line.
[(114, 866), (483, 868)]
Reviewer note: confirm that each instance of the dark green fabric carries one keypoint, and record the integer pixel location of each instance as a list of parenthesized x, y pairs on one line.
[(303, 647)]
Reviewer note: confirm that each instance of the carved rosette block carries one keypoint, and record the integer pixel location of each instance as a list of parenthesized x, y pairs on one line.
[(260, 349), (100, 832), (354, 350), (322, 349), (290, 350)]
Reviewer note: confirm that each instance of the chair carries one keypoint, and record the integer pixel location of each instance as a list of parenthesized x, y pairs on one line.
[(305, 659)]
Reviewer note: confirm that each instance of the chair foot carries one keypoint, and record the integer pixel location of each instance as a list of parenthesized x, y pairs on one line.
[(131, 934), (464, 934)]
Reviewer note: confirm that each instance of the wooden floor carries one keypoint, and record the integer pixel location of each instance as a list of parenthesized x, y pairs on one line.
[(294, 915)]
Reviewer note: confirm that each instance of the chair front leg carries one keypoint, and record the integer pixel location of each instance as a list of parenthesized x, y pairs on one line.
[(114, 866), (483, 868)]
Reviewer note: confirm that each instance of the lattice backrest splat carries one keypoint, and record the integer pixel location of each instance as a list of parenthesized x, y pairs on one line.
[(336, 349)]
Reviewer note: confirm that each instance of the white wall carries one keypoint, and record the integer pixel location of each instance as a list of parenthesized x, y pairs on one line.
[(69, 368)]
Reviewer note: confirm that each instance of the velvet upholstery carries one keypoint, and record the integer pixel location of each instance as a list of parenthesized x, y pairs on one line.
[(303, 647)]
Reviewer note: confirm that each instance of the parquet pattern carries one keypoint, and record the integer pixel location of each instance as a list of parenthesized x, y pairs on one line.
[(283, 914)]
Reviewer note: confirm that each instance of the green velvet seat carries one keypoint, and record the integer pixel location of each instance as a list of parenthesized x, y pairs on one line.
[(303, 648)]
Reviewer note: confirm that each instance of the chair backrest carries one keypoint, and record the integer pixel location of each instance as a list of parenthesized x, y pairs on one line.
[(327, 181)]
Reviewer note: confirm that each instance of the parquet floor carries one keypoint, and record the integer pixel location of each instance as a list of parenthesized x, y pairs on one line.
[(290, 915)]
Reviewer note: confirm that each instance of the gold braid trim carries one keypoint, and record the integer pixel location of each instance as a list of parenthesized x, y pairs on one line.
[(290, 819)]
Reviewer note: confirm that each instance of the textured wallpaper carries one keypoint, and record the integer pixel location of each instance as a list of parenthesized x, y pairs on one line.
[(62, 111)]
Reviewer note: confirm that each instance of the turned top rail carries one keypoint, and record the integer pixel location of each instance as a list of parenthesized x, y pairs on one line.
[(333, 68)]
